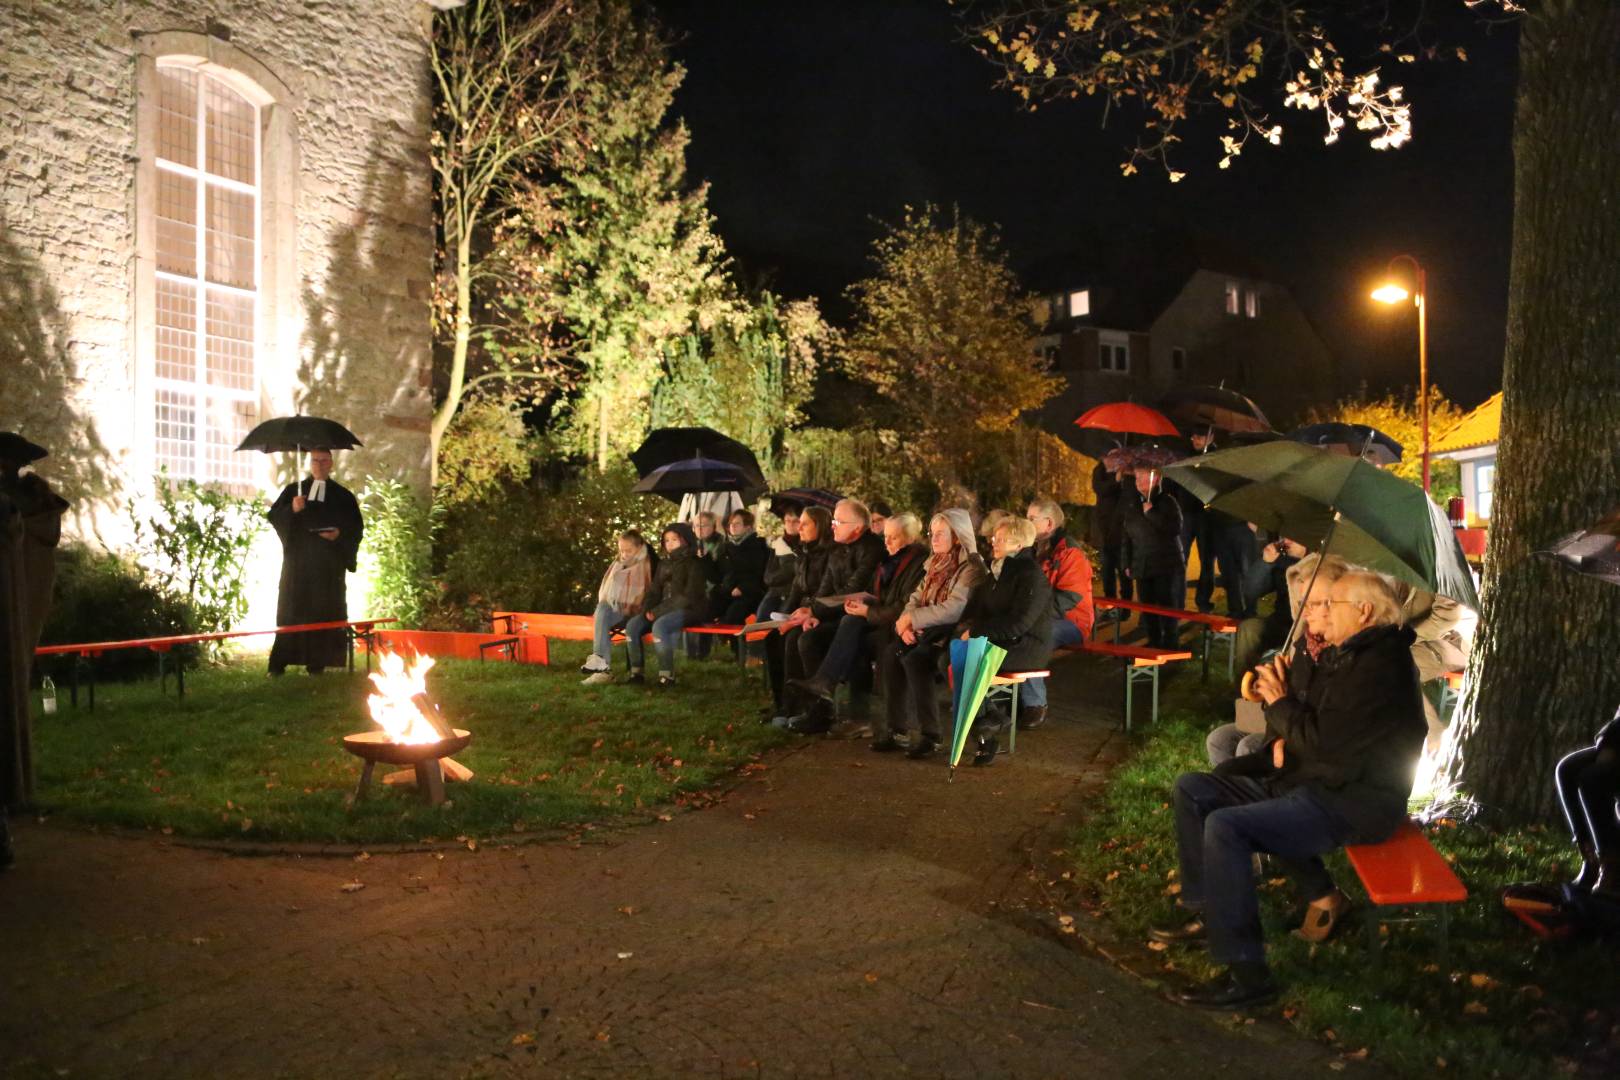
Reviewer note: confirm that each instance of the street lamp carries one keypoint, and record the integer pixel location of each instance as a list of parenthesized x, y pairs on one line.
[(1393, 293)]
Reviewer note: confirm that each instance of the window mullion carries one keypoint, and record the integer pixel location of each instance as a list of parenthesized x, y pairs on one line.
[(199, 430)]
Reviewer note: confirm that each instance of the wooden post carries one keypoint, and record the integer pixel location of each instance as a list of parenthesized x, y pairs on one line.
[(430, 781)]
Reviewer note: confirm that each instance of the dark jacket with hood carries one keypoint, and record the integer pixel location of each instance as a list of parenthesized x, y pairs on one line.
[(742, 566), (808, 573), (781, 563), (849, 569), (1155, 534), (1353, 730), (680, 583), (1014, 611), (908, 567)]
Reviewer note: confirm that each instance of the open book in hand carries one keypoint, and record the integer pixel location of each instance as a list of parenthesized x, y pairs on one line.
[(779, 620), (838, 601)]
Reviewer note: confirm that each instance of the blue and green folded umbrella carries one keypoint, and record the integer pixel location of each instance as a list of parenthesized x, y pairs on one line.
[(974, 663)]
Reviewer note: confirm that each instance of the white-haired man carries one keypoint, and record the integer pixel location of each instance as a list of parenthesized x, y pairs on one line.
[(1347, 738)]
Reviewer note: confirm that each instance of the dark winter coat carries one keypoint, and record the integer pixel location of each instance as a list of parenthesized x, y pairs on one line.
[(807, 575), (1105, 525), (780, 566), (680, 584), (849, 569), (1015, 612), (1353, 730), (909, 565), (1155, 535), (742, 566)]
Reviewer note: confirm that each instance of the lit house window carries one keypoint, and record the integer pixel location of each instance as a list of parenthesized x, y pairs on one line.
[(1178, 359), (1079, 303), (1251, 303), (204, 387), (1114, 352), (1232, 297), (1484, 487)]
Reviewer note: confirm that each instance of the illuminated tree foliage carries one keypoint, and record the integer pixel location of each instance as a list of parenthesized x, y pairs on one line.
[(503, 109), (1543, 668), (941, 333), (627, 248)]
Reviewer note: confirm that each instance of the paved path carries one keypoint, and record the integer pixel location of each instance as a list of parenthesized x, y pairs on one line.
[(841, 913)]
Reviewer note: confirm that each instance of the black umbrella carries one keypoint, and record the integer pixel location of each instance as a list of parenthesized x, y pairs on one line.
[(1594, 552), (295, 434), (1356, 440), (800, 498), (667, 446), (13, 447), (1195, 408), (697, 475)]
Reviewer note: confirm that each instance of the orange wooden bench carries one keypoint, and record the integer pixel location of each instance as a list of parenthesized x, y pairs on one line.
[(539, 626), (83, 652), (1450, 693), (1405, 871), (1142, 664), (1223, 627), (463, 645), (1011, 681)]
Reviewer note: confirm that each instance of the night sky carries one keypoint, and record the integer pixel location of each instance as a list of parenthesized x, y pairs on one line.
[(816, 119)]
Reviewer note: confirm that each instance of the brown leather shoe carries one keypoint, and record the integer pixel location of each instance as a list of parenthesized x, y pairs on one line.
[(1322, 916)]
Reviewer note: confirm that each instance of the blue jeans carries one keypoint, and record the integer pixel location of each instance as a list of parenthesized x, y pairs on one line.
[(666, 629), (602, 630), (1221, 822), (1032, 692)]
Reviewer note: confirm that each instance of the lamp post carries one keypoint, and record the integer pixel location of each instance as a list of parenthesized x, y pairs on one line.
[(1392, 293)]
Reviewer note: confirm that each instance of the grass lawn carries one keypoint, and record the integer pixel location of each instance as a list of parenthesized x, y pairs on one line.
[(1507, 1004), (251, 757)]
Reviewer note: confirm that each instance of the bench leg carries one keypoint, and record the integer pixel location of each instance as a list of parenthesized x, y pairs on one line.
[(1153, 717), (1445, 937), (1205, 677), (1012, 729), (1372, 932), (1129, 682)]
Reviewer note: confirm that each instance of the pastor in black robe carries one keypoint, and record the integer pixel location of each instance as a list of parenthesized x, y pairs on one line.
[(312, 574), (30, 528)]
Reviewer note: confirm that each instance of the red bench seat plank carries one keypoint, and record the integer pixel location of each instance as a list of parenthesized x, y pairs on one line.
[(1406, 869)]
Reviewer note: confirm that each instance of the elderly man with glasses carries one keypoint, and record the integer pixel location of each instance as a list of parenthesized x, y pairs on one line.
[(1347, 735)]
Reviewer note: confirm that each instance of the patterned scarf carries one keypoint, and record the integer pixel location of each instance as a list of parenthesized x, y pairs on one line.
[(941, 573), (626, 582)]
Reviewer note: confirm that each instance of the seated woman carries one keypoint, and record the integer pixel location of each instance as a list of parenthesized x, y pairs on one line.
[(815, 547), (619, 598), (987, 531), (675, 600), (742, 571), (1588, 785), (868, 622), (1013, 608), (924, 626)]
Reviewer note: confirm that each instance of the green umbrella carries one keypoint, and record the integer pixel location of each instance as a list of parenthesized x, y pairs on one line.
[(1374, 518), (980, 662)]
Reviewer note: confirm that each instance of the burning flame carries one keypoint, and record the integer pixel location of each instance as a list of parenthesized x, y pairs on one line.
[(393, 705)]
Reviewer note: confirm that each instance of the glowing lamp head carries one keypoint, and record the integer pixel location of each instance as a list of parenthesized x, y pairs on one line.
[(1390, 294)]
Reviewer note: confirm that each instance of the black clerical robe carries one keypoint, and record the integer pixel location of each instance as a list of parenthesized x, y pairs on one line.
[(30, 528), (312, 573)]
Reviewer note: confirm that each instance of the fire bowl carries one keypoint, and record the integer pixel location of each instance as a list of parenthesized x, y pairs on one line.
[(377, 746)]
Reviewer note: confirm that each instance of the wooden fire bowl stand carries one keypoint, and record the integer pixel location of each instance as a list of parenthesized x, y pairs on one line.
[(428, 761)]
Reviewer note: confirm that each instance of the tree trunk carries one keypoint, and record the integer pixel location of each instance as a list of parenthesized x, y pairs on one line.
[(1546, 662)]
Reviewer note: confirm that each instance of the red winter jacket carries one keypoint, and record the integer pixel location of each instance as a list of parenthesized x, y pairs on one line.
[(1069, 571)]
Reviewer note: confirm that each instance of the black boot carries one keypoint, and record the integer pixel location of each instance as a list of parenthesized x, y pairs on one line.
[(815, 686), (1590, 868), (1244, 986), (986, 753), (1031, 716), (922, 746)]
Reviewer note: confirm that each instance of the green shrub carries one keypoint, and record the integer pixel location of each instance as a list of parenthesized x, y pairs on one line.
[(396, 555), (539, 549), (103, 597), (194, 543)]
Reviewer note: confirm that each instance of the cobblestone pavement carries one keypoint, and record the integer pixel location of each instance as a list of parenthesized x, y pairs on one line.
[(840, 913)]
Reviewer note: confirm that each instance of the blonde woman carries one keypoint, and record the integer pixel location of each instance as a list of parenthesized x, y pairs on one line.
[(618, 600), (924, 627)]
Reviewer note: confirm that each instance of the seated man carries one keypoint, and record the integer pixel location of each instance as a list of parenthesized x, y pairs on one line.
[(1347, 743)]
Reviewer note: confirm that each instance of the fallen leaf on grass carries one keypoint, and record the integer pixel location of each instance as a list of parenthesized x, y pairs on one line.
[(665, 817), (199, 941), (1173, 889), (472, 845), (1157, 946), (1357, 1055), (871, 977), (1483, 982), (627, 910), (1112, 875), (523, 1038), (602, 1036), (1475, 1008), (364, 856), (352, 886), (1337, 1066), (1439, 1062), (626, 955), (1066, 920)]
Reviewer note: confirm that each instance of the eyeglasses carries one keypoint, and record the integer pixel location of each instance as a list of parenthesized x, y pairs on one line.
[(1325, 603)]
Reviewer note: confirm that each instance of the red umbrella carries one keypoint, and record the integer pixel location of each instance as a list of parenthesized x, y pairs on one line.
[(1127, 418)]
